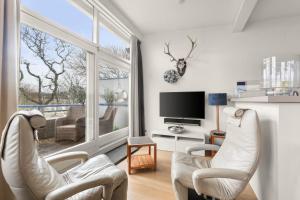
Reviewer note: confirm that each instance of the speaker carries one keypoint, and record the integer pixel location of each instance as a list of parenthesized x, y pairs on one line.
[(192, 122)]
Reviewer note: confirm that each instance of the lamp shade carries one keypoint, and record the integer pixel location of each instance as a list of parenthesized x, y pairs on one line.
[(217, 99)]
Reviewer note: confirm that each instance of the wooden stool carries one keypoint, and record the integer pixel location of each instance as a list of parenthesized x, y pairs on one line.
[(141, 161)]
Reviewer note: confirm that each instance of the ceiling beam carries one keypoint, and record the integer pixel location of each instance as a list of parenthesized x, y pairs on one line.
[(244, 15)]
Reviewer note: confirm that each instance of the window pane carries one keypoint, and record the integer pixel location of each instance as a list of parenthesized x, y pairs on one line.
[(113, 99), (113, 43), (53, 80), (66, 14)]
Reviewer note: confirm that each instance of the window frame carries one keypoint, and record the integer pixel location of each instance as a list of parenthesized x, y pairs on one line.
[(95, 55), (117, 136)]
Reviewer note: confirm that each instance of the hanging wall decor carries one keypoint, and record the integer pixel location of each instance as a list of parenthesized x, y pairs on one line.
[(172, 76)]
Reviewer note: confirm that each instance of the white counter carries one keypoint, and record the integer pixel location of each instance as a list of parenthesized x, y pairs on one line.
[(278, 174), (268, 99)]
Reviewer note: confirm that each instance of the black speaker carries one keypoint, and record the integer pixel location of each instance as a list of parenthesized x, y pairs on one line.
[(193, 122)]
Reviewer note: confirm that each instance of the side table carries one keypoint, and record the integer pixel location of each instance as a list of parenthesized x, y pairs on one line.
[(213, 138), (141, 161)]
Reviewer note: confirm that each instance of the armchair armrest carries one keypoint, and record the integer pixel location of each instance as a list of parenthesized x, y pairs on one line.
[(80, 121), (80, 155), (74, 188), (203, 147), (219, 173), (60, 121)]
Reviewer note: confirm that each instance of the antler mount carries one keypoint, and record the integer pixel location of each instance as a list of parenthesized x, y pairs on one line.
[(180, 63)]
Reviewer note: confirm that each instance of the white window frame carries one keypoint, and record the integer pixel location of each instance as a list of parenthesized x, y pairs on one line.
[(95, 54), (104, 57), (37, 21), (114, 138)]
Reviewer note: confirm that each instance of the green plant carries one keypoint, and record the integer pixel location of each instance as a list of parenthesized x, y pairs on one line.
[(109, 96)]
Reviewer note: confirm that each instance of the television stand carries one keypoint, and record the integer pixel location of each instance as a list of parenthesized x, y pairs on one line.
[(167, 141)]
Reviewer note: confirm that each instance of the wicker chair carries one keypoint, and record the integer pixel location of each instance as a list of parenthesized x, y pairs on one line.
[(71, 127), (106, 122)]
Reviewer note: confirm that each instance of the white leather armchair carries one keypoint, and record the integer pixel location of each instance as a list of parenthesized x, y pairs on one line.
[(225, 175), (32, 177)]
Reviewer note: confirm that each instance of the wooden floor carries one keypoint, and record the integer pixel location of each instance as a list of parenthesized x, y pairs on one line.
[(150, 185)]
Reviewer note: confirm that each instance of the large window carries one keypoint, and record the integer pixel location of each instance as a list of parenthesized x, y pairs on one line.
[(113, 99), (53, 80), (69, 15), (80, 84), (114, 43)]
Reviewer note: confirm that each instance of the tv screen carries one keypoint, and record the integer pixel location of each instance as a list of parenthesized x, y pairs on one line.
[(182, 104)]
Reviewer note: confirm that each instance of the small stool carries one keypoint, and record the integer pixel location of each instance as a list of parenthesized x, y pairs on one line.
[(141, 161)]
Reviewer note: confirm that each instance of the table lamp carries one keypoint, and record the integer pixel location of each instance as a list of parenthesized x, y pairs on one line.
[(217, 99)]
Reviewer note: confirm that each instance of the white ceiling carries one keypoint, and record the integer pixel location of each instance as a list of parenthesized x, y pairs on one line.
[(151, 16), (272, 9)]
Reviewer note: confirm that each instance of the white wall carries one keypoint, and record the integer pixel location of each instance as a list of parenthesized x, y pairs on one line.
[(221, 59)]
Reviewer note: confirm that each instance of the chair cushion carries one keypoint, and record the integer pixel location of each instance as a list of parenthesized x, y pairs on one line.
[(184, 165), (95, 193), (66, 129), (35, 118), (69, 126), (98, 165)]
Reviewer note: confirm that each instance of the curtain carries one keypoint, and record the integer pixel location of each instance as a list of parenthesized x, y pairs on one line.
[(136, 112), (9, 48)]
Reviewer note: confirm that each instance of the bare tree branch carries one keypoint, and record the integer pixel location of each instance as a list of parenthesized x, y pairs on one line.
[(39, 43)]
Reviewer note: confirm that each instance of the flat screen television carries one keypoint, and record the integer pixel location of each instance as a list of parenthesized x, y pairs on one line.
[(182, 104)]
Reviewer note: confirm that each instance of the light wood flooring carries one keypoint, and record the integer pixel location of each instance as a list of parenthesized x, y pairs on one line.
[(156, 185)]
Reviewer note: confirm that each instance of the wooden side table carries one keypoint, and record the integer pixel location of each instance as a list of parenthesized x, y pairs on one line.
[(141, 161), (213, 137)]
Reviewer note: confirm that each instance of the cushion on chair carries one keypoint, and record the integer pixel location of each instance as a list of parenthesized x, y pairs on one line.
[(183, 167), (66, 128), (35, 118), (71, 127), (98, 165), (66, 132), (37, 121), (90, 194)]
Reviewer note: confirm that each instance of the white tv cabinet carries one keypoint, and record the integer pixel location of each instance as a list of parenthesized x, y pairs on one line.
[(167, 141)]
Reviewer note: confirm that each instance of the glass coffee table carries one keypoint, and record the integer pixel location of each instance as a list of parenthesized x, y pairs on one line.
[(141, 161)]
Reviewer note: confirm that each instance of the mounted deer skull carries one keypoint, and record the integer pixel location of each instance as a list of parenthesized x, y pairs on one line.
[(181, 62)]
